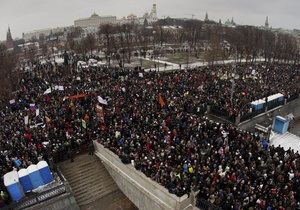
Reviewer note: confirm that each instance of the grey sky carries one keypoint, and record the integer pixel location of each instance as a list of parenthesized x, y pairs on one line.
[(29, 15)]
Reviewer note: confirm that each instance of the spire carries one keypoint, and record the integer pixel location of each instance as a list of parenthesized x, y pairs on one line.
[(267, 22), (206, 17), (9, 40)]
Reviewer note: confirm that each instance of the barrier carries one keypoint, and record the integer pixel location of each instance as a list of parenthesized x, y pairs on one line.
[(141, 190)]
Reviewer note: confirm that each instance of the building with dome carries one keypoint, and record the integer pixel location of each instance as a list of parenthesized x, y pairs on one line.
[(230, 23), (148, 17), (95, 21)]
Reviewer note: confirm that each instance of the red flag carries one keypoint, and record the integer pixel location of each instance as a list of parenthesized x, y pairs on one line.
[(161, 101)]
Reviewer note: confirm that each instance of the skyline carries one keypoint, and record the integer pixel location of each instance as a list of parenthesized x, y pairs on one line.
[(29, 15)]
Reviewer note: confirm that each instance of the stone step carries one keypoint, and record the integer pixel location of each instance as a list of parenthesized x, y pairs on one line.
[(82, 162), (94, 194), (84, 173), (93, 175), (88, 178), (85, 186)]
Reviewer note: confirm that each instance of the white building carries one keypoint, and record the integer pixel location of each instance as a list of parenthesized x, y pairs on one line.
[(95, 21), (132, 18)]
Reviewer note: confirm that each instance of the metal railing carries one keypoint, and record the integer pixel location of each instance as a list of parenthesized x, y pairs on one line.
[(292, 98), (39, 198), (64, 156), (222, 114), (251, 115), (206, 205)]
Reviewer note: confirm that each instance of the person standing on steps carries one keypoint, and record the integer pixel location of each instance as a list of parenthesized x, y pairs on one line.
[(91, 148), (71, 154)]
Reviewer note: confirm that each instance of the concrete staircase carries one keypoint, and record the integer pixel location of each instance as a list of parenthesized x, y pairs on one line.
[(88, 179)]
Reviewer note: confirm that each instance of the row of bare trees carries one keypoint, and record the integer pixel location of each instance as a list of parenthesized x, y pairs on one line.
[(251, 43), (218, 42)]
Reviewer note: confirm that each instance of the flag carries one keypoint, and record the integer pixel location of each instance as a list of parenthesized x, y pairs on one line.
[(37, 112), (32, 107), (161, 101), (83, 123), (141, 74), (47, 119), (12, 101), (101, 100), (47, 91), (61, 88), (26, 120)]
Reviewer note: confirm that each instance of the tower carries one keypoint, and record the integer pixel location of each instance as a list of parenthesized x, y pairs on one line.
[(153, 13), (206, 17), (267, 23), (9, 40)]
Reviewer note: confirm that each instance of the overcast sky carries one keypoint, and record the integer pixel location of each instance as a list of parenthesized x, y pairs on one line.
[(28, 15)]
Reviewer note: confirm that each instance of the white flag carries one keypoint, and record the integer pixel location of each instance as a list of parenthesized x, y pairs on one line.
[(37, 112), (47, 91), (26, 120), (101, 100)]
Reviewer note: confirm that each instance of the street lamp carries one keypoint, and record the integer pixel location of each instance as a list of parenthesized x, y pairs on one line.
[(154, 32)]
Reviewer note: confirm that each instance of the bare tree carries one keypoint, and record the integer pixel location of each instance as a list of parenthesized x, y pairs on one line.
[(90, 42), (9, 76)]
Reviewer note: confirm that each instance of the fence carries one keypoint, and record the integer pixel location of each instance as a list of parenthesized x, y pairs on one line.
[(293, 97), (206, 205), (64, 156), (39, 198), (223, 115), (268, 106)]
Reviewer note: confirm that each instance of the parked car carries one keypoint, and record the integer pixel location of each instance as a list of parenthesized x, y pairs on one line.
[(92, 62), (82, 65)]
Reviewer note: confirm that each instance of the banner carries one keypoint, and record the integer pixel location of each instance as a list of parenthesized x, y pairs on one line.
[(12, 101), (37, 112), (100, 113), (61, 88), (141, 74), (77, 96)]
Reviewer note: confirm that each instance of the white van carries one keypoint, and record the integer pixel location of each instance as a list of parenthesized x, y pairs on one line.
[(101, 64), (82, 65), (92, 62)]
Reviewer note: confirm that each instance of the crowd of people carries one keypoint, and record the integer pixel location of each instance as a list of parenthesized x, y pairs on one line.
[(156, 121)]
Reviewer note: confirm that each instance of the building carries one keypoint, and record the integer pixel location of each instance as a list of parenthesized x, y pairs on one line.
[(149, 18), (95, 21), (46, 32), (267, 23), (9, 40), (229, 23), (206, 17)]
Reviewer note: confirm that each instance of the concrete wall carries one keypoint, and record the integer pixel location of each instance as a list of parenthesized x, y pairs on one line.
[(141, 190), (291, 107)]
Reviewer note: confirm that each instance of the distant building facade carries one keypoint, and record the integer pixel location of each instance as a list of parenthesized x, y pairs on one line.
[(149, 18), (37, 33), (95, 21), (9, 40)]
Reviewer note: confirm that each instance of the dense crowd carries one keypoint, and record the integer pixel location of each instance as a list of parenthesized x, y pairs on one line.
[(156, 121)]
